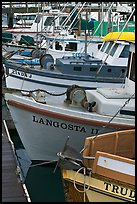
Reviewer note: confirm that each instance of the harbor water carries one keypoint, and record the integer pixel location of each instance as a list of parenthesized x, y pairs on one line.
[(42, 183)]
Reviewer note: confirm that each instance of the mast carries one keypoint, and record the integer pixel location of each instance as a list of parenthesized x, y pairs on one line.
[(86, 31), (102, 15), (37, 31), (79, 24), (109, 17)]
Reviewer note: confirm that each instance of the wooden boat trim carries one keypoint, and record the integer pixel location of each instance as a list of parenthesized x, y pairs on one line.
[(104, 167), (111, 143), (121, 143)]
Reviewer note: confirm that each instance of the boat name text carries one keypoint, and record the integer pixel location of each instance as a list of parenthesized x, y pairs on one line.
[(130, 193), (24, 74), (63, 125)]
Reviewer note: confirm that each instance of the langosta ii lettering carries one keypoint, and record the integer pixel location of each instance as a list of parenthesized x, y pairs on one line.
[(63, 125), (57, 124)]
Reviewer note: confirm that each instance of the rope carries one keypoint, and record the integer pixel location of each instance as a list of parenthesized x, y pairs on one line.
[(84, 180), (47, 162), (53, 94)]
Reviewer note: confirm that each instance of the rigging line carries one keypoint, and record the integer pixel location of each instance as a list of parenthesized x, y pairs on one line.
[(67, 29), (126, 102), (42, 23), (75, 8), (16, 68), (40, 164), (98, 26), (36, 35), (68, 18), (71, 13), (56, 18), (69, 26), (61, 29), (27, 67), (76, 15), (23, 81), (8, 54)]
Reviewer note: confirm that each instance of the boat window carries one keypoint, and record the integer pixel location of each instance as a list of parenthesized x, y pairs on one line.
[(109, 47), (93, 69), (125, 52), (58, 46), (71, 46), (114, 49), (49, 21), (123, 71), (99, 46), (25, 17), (109, 70), (31, 17), (132, 73), (38, 18), (77, 69), (103, 46)]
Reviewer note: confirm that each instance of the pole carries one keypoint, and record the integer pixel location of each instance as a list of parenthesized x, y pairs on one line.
[(109, 17)]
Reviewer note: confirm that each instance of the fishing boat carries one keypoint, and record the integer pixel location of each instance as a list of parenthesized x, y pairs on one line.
[(103, 172), (46, 23), (41, 24), (106, 69), (53, 33), (60, 42), (70, 45), (57, 47), (50, 117)]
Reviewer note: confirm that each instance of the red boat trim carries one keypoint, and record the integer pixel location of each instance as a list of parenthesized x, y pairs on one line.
[(64, 117), (17, 31)]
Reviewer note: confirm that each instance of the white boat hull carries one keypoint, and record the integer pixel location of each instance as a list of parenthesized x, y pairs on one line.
[(44, 128), (27, 81)]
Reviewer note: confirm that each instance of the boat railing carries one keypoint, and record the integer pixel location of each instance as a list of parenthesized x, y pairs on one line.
[(121, 143)]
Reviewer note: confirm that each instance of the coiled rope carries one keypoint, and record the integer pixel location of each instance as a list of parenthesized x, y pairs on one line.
[(85, 189)]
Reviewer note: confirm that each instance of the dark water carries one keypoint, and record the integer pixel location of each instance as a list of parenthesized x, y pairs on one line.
[(42, 184)]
